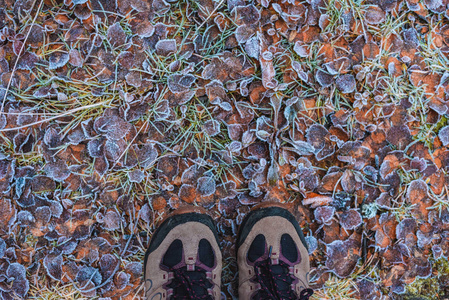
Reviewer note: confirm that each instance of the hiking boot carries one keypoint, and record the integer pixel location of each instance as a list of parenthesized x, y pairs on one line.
[(183, 260), (272, 256)]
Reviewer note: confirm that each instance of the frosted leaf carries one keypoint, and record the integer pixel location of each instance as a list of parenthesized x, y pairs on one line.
[(316, 135), (76, 136), (45, 92), (187, 193), (146, 155), (53, 265), (166, 47), (58, 60), (235, 147), (342, 257), (384, 200), (226, 106), (419, 164), (243, 33), (122, 280), (134, 79), (25, 218), (226, 190), (178, 82), (348, 181), (417, 191), (16, 274), (58, 170), (75, 58), (55, 208), (323, 78), (437, 251), (323, 21), (252, 47), (399, 136), (374, 15), (136, 176), (27, 61), (404, 228), (162, 111), (248, 15), (43, 214), (324, 214), (108, 265), (160, 7), (145, 213), (312, 243), (182, 98), (215, 92), (112, 220), (95, 148), (443, 135), (76, 2), (211, 127), (52, 138), (436, 6), (67, 245), (16, 271), (191, 174), (206, 186), (300, 49), (82, 12), (116, 35), (114, 127), (248, 138), (89, 273), (145, 29), (235, 131), (303, 148), (26, 200), (346, 83), (2, 248), (3, 121), (350, 219), (424, 239)]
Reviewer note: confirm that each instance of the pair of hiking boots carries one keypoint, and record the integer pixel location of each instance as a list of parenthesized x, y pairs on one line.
[(184, 260)]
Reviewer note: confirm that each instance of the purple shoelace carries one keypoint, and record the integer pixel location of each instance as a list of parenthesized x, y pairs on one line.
[(275, 282), (189, 285)]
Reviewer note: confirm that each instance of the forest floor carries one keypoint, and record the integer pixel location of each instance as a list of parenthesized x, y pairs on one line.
[(115, 113)]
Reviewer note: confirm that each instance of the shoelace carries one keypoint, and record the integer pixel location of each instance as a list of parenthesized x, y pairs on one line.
[(275, 282), (190, 285)]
